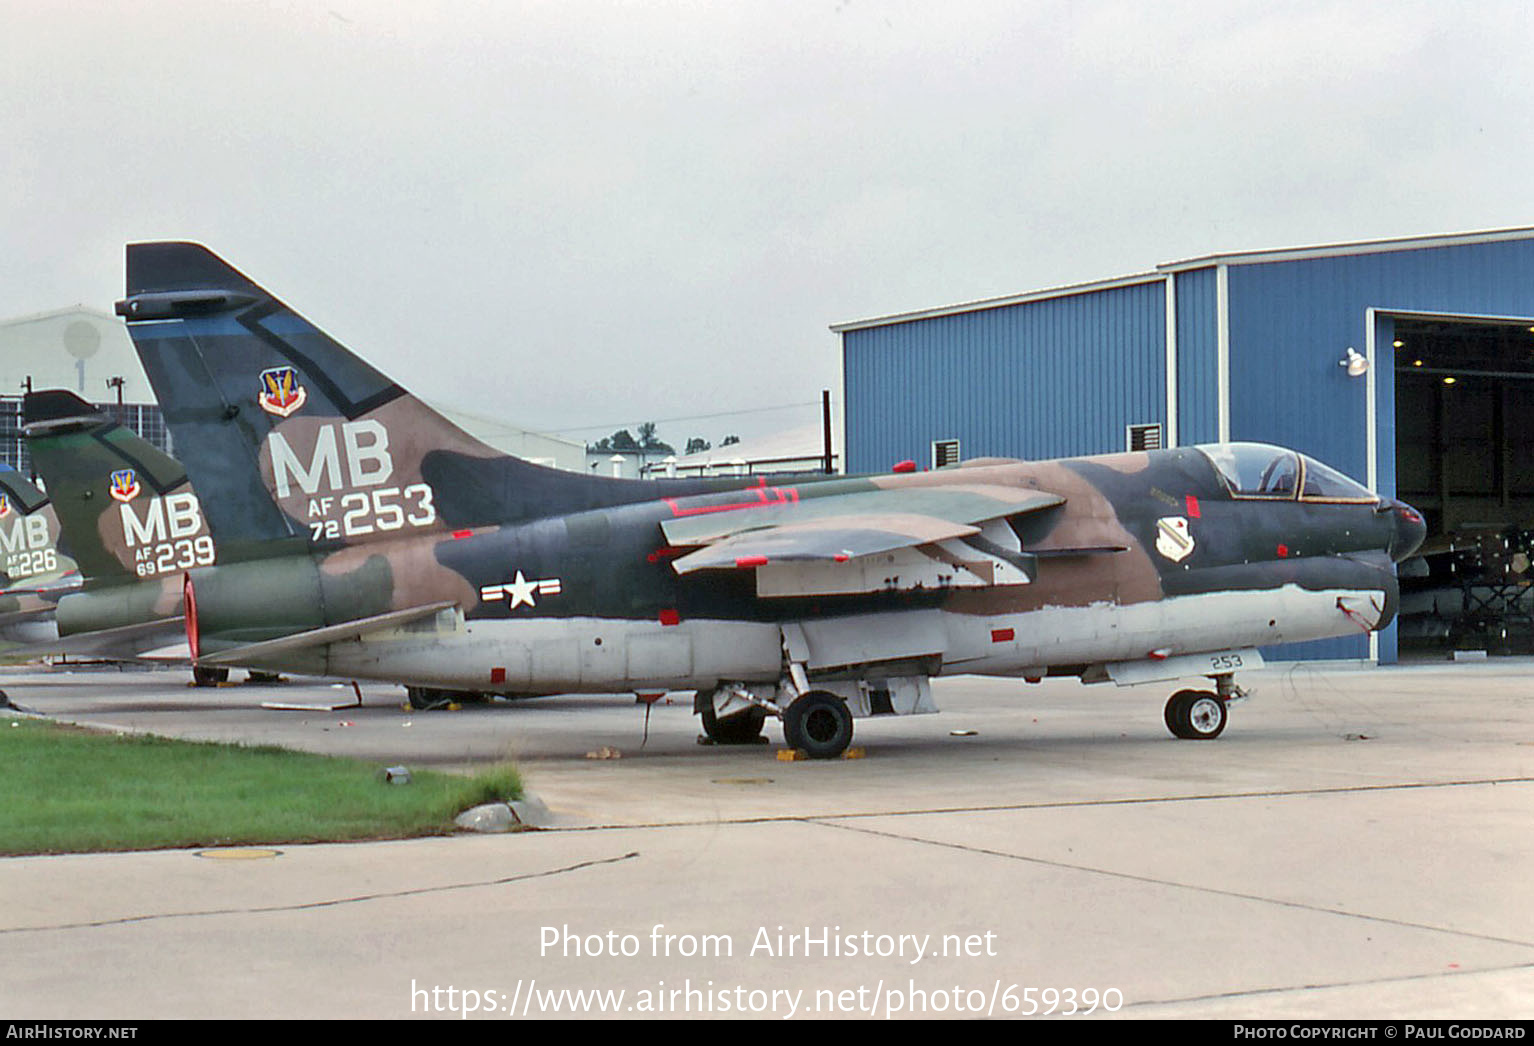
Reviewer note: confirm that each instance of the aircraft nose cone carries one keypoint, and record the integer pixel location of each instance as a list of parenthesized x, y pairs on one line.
[(1410, 530)]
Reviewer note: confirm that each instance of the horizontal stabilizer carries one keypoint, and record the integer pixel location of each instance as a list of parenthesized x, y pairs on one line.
[(125, 642), (317, 637), (29, 614)]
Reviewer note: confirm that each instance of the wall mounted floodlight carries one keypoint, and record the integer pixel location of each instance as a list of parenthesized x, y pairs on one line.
[(1357, 366)]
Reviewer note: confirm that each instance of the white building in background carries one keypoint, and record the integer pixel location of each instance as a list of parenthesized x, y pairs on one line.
[(793, 451), (537, 447), (84, 350)]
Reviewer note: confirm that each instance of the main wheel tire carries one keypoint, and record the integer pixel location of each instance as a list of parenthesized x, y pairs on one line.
[(1206, 716), (819, 724), (209, 676), (741, 728), (423, 698), (1176, 714)]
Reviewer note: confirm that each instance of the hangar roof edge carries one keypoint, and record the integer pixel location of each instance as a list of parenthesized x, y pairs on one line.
[(1005, 300), (1332, 250), (1257, 257)]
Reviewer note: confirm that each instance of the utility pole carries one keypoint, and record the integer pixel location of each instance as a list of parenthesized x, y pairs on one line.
[(117, 383), (825, 424)]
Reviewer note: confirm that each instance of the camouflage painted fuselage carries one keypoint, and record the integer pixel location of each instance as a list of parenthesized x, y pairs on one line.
[(590, 601), (338, 499)]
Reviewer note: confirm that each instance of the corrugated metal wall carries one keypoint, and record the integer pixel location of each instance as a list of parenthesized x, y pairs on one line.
[(1043, 379), (1197, 342), (1291, 322)]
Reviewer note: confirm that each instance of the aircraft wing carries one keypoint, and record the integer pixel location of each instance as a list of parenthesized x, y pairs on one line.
[(836, 539), (864, 540)]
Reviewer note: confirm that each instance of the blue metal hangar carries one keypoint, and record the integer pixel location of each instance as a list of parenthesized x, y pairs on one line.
[(1408, 364)]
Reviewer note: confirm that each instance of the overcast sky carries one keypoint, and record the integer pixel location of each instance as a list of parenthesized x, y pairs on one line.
[(573, 214)]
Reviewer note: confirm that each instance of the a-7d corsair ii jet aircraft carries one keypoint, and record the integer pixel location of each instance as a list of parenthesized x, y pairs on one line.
[(361, 534)]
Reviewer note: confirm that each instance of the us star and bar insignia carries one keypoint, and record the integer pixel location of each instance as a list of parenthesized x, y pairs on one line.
[(521, 591)]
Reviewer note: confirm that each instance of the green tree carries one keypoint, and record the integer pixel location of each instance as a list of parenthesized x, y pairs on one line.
[(649, 441), (620, 441)]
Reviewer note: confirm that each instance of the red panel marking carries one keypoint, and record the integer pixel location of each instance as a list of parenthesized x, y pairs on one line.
[(765, 495), (670, 616), (459, 535), (1002, 635), (189, 608), (1193, 512), (750, 561), (1283, 551), (841, 557), (497, 675), (904, 466), (664, 553)]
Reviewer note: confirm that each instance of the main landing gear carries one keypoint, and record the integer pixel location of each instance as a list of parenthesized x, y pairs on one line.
[(817, 722), (1201, 715), (739, 728)]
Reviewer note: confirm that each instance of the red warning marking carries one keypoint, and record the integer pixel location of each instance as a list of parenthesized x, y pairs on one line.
[(1002, 635), (189, 610), (1283, 551), (904, 466), (750, 561), (459, 535), (1193, 512), (765, 495), (670, 616), (664, 553), (497, 675)]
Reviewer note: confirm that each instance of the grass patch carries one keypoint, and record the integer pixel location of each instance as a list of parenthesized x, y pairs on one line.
[(68, 790)]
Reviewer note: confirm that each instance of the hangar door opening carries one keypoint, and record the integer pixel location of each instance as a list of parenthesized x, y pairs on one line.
[(1464, 408)]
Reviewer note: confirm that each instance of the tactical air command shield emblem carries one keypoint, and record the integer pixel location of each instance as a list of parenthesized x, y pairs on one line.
[(124, 485), (1172, 538), (5, 505), (281, 394)]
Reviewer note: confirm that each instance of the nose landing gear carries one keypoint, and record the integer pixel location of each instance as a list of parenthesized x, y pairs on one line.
[(1201, 715)]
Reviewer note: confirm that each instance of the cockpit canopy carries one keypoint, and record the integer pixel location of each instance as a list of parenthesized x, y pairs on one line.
[(1257, 470)]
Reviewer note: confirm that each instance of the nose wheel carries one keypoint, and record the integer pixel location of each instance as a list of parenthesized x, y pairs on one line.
[(1196, 715)]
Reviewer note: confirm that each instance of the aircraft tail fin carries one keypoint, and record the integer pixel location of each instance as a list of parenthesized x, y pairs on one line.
[(289, 436), (31, 550), (125, 507)]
